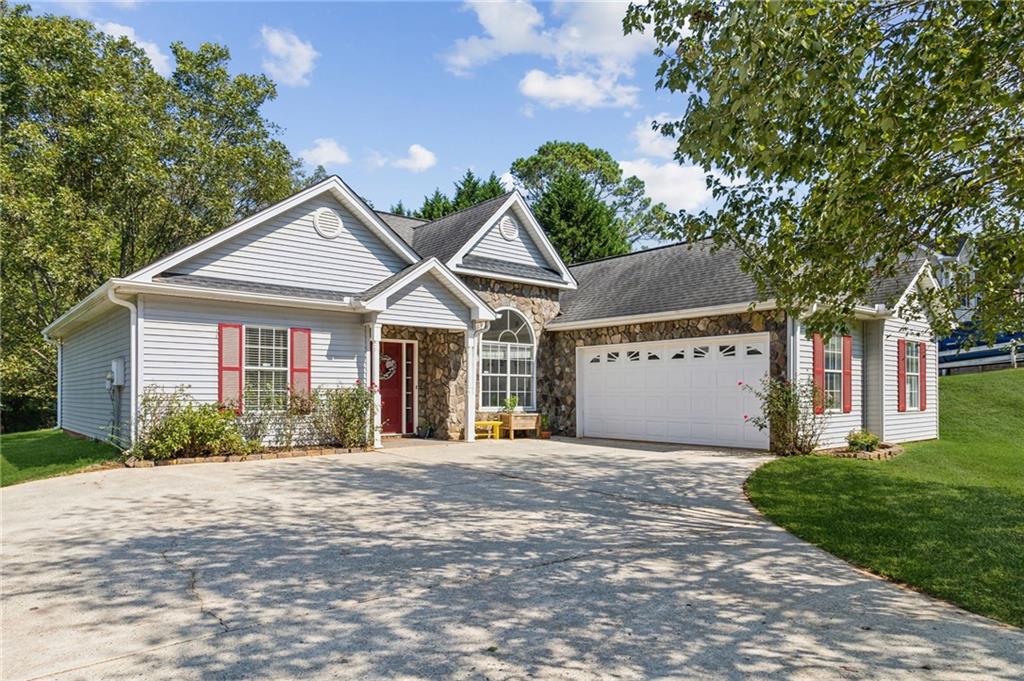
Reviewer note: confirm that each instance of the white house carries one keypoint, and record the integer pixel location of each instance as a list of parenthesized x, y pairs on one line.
[(452, 316)]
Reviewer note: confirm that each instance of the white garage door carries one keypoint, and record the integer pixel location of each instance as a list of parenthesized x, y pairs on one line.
[(685, 391)]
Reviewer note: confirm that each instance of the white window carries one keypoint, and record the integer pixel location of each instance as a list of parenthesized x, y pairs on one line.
[(834, 372), (507, 366), (912, 366), (266, 368)]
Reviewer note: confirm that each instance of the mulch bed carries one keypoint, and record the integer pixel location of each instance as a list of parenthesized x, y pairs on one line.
[(884, 452)]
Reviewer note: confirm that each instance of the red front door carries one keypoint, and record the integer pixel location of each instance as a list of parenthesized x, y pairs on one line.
[(392, 374)]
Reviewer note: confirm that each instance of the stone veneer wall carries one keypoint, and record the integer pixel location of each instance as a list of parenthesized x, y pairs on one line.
[(441, 376), (558, 368)]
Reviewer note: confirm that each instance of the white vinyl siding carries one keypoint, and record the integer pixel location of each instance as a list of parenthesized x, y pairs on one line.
[(912, 424), (522, 249), (180, 342), (838, 424), (287, 250), (86, 405), (426, 302)]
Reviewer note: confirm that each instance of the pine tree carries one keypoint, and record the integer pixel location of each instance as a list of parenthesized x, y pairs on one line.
[(400, 209), (580, 226), (435, 206)]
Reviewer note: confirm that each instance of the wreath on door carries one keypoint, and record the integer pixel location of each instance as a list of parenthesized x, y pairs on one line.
[(390, 367)]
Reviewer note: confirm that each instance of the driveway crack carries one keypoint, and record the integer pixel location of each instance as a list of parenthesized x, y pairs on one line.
[(193, 587)]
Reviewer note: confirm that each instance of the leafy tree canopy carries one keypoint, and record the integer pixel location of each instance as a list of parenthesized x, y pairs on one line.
[(841, 137), (107, 166), (580, 226), (635, 214)]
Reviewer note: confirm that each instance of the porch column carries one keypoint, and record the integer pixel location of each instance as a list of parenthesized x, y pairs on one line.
[(470, 426), (375, 333)]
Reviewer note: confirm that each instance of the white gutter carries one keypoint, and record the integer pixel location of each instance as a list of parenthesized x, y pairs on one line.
[(134, 355), (345, 303), (661, 316)]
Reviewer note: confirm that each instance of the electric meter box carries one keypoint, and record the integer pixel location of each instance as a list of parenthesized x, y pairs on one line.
[(117, 371)]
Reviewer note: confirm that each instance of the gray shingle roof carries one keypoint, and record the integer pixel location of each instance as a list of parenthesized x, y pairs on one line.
[(443, 238), (254, 287), (676, 277), (681, 277), (403, 225), (888, 290), (384, 284), (476, 262)]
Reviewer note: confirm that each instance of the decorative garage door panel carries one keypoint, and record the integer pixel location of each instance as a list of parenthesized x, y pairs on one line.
[(686, 391)]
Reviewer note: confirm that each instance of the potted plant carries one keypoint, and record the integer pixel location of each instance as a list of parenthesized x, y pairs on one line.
[(426, 428), (545, 429)]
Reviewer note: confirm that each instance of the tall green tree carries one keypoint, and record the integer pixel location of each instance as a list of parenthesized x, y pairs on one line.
[(435, 206), (580, 226), (635, 213), (469, 191), (106, 166), (841, 137)]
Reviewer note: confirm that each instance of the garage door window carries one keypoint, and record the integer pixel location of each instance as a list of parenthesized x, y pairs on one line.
[(507, 362)]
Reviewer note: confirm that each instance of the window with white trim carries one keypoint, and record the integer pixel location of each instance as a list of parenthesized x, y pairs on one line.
[(912, 371), (834, 372), (507, 361), (266, 368)]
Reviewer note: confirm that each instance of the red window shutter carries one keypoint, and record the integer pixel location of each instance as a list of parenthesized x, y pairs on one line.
[(901, 374), (299, 345), (847, 374), (818, 370), (229, 365), (923, 382)]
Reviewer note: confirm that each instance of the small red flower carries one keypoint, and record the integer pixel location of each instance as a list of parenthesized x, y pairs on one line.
[(746, 418), (739, 382)]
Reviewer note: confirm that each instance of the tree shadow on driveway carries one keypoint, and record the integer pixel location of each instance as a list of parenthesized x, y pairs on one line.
[(507, 560)]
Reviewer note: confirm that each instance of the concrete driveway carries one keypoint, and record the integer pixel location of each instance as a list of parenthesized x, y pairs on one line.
[(494, 560)]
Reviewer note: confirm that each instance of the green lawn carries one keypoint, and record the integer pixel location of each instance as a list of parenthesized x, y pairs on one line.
[(946, 517), (46, 453)]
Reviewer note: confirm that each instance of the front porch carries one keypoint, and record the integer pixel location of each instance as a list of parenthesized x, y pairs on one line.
[(425, 385)]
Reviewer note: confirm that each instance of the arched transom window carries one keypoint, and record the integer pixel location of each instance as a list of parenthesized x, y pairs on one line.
[(507, 361)]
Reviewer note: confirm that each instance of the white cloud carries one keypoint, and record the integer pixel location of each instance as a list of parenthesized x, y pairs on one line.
[(650, 142), (678, 187), (160, 61), (291, 58), (508, 181), (325, 152), (418, 159), (578, 90), (588, 47)]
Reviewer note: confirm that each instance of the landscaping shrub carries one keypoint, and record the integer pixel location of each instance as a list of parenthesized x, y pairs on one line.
[(787, 411), (863, 441), (171, 425), (343, 416)]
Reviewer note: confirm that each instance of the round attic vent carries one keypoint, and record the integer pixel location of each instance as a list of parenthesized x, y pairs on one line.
[(326, 223), (508, 227)]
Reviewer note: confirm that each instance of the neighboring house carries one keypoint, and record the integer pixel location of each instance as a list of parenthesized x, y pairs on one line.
[(959, 353), (451, 317)]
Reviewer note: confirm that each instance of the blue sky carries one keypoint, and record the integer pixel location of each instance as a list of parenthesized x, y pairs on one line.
[(399, 98)]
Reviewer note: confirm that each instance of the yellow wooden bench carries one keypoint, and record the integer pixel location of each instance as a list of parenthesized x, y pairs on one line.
[(491, 429)]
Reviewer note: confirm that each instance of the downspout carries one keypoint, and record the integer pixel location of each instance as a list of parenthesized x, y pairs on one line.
[(133, 398)]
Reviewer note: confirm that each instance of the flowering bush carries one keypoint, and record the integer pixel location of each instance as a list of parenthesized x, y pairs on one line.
[(344, 416), (787, 411)]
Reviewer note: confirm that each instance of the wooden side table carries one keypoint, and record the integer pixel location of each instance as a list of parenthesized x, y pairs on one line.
[(520, 421)]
